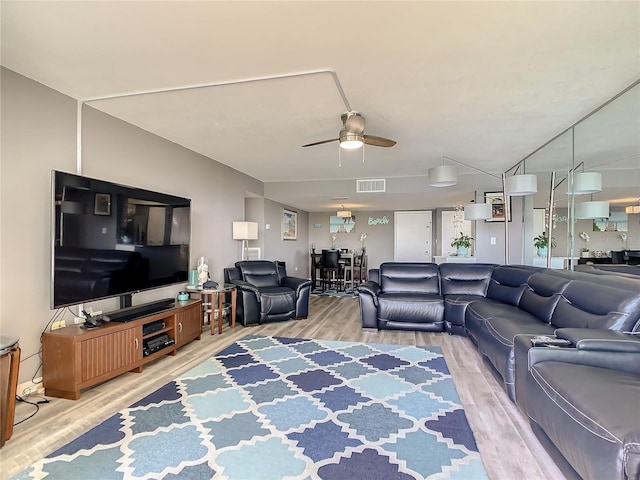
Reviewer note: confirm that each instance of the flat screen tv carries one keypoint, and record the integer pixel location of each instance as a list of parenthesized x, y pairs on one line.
[(113, 240)]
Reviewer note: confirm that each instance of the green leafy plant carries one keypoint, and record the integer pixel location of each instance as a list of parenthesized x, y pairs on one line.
[(463, 241), (542, 241)]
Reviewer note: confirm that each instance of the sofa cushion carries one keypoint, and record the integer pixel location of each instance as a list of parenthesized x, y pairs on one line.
[(508, 282), (542, 294), (591, 415), (611, 304), (410, 277), (277, 300), (260, 273), (410, 307), (482, 309), (471, 279)]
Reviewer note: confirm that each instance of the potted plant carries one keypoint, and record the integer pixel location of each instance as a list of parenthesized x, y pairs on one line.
[(585, 239), (541, 242), (462, 244)]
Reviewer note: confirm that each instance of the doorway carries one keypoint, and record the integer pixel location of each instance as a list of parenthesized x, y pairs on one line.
[(413, 236)]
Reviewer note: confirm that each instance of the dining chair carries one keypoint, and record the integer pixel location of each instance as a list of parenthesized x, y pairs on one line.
[(331, 266)]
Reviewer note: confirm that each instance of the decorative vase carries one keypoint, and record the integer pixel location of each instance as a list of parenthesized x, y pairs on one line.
[(585, 254), (462, 251), (542, 251)]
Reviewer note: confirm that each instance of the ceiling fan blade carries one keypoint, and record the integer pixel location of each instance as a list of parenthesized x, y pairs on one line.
[(378, 141), (320, 142), (354, 123)]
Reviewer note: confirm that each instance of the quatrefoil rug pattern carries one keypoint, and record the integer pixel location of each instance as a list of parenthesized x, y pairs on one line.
[(286, 408)]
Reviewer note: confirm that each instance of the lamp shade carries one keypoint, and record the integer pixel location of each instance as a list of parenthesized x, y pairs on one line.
[(477, 211), (443, 176), (592, 210), (245, 231), (521, 185), (585, 183)]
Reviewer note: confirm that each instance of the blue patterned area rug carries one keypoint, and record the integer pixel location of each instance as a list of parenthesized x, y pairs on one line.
[(333, 293), (286, 408)]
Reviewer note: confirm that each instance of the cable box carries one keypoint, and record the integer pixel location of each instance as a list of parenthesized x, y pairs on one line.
[(149, 328), (157, 343)]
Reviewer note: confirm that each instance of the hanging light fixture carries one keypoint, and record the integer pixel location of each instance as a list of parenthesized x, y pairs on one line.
[(344, 213), (350, 141), (585, 183), (632, 209), (443, 175), (521, 185), (592, 210), (477, 211)]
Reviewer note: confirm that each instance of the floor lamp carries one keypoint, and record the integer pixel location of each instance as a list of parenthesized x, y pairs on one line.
[(245, 231)]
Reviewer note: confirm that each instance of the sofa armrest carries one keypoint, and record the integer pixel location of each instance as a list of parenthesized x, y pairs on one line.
[(600, 340), (620, 355), (370, 288), (247, 287), (295, 283)]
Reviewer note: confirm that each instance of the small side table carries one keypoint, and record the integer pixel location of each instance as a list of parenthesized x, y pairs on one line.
[(9, 364), (207, 302)]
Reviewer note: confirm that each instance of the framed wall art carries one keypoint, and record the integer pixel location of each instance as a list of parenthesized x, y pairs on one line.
[(289, 224), (342, 224), (496, 200), (102, 204)]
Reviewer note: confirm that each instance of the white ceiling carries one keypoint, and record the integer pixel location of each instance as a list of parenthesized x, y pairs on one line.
[(485, 83)]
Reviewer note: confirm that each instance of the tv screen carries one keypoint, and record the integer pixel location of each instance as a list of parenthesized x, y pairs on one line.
[(113, 240)]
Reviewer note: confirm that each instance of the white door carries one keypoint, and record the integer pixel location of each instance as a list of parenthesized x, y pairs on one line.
[(412, 236)]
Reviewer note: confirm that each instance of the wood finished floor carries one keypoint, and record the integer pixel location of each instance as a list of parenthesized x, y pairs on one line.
[(507, 446)]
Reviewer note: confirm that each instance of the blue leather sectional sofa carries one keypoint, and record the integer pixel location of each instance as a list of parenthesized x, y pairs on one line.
[(582, 397)]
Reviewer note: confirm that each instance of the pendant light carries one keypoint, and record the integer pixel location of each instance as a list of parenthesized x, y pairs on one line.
[(585, 183), (443, 175), (521, 185), (632, 209), (344, 213), (592, 210), (477, 211)]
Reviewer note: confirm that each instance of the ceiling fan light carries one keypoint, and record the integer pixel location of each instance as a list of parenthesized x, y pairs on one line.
[(351, 141), (592, 210), (477, 211), (521, 185), (585, 183), (443, 176)]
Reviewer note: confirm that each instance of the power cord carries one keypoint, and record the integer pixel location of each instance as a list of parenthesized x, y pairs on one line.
[(35, 404)]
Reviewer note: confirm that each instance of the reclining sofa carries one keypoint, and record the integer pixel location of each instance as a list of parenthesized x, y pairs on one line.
[(580, 387), (266, 293)]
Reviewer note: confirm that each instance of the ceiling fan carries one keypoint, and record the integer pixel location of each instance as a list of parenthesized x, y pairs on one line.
[(352, 134)]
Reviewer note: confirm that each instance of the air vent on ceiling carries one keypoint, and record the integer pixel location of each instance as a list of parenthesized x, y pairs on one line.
[(375, 185)]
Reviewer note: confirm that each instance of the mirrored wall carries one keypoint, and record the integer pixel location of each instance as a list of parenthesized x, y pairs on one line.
[(606, 142)]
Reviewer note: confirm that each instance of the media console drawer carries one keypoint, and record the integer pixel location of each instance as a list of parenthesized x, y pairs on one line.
[(74, 358)]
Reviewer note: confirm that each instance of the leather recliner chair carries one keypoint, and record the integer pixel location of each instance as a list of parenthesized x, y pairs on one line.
[(266, 293)]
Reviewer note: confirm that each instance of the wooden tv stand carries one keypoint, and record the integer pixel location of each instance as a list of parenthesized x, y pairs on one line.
[(74, 358)]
